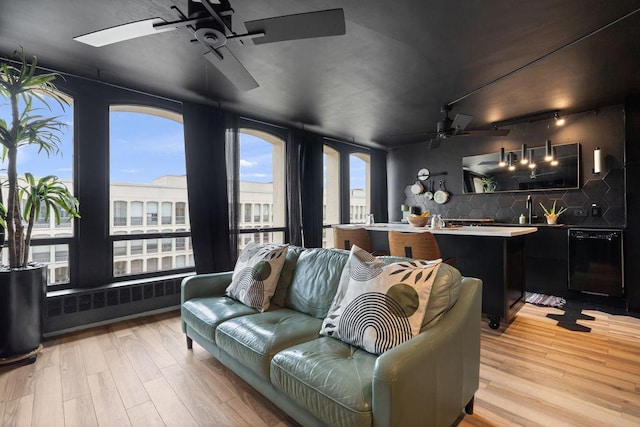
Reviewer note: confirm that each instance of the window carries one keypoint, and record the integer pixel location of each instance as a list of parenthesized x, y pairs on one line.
[(166, 213), (152, 213), (120, 248), (136, 266), (136, 213), (180, 213), (136, 247), (359, 184), (61, 275), (62, 253), (330, 193), (152, 246), (261, 175), (167, 263), (148, 174), (119, 268), (181, 261), (41, 253), (119, 213), (247, 212), (40, 165)]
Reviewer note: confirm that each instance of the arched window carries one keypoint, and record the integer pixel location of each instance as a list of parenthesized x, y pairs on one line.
[(260, 173), (330, 193), (147, 175), (359, 186)]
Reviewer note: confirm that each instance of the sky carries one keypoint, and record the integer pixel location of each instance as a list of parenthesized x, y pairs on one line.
[(144, 147)]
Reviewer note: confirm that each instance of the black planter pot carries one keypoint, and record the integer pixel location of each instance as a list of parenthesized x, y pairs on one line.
[(22, 296)]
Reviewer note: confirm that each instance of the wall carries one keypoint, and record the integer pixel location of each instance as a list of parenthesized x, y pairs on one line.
[(604, 128)]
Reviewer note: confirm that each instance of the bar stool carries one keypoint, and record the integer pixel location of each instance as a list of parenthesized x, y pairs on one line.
[(345, 237), (415, 245)]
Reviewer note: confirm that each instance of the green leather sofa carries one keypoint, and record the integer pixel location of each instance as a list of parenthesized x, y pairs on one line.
[(319, 380)]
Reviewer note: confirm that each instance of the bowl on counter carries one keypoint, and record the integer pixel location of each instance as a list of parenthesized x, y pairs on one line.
[(418, 221)]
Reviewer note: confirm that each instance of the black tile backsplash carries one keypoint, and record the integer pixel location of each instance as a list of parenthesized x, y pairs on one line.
[(606, 192)]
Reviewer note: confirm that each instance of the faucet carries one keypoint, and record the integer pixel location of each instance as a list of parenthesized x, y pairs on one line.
[(529, 207)]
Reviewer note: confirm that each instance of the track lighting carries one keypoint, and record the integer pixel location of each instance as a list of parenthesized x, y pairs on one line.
[(559, 120), (510, 160), (548, 155), (502, 163), (523, 155)]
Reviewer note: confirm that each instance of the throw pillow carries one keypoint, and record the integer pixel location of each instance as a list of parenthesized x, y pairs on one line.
[(256, 274), (377, 305)]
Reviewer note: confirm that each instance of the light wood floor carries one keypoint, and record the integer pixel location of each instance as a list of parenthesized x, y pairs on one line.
[(139, 372)]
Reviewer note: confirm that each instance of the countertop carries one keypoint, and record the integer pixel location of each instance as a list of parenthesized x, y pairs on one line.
[(465, 230)]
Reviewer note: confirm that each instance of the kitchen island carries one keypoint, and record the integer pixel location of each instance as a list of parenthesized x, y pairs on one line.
[(494, 254)]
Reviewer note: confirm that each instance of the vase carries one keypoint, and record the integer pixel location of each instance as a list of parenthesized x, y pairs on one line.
[(552, 219)]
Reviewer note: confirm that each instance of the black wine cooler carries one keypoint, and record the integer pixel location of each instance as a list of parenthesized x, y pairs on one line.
[(596, 261)]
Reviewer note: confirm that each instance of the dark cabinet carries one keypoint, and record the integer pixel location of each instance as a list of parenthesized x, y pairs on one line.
[(547, 261)]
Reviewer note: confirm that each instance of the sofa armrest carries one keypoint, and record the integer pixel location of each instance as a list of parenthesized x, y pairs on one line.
[(205, 285), (430, 378)]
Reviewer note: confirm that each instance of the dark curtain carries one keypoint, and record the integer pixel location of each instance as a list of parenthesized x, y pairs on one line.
[(204, 135), (305, 202), (233, 182), (379, 191)]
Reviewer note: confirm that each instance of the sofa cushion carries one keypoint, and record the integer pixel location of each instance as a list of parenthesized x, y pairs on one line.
[(205, 314), (254, 340), (315, 281), (444, 292), (286, 275), (256, 274), (330, 379), (378, 305)]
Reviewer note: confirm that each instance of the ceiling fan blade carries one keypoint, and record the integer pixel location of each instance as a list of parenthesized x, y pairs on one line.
[(489, 132), (461, 121), (301, 26), (228, 64), (435, 143), (123, 32)]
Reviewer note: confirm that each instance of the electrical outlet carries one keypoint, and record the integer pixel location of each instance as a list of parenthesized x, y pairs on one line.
[(580, 212)]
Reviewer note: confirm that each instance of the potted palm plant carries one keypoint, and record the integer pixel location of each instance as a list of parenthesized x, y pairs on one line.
[(23, 283)]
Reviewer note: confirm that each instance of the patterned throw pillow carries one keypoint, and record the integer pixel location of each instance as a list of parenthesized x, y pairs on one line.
[(377, 305), (256, 274)]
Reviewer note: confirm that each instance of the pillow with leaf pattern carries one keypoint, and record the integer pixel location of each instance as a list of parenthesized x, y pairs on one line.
[(256, 274), (377, 305)]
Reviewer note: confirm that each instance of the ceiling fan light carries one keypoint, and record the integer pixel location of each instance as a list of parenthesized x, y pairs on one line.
[(548, 155), (523, 155), (502, 163)]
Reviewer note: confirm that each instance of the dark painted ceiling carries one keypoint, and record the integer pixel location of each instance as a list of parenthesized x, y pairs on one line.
[(389, 75)]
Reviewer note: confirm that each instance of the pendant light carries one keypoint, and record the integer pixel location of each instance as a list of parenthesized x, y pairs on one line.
[(523, 155), (548, 155), (554, 160), (502, 163), (532, 164), (510, 162)]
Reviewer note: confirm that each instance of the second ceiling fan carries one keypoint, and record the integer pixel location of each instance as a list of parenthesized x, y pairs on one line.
[(209, 22)]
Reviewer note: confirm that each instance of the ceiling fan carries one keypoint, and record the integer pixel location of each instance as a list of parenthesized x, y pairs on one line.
[(447, 128), (209, 22)]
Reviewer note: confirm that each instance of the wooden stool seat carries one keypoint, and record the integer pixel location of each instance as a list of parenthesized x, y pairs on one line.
[(415, 245)]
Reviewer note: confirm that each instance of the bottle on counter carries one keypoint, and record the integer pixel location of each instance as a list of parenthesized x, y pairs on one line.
[(522, 219)]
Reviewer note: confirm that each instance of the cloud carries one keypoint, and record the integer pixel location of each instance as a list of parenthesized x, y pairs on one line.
[(129, 170), (247, 164)]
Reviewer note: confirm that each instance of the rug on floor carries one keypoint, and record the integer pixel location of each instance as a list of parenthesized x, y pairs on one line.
[(545, 300)]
